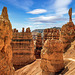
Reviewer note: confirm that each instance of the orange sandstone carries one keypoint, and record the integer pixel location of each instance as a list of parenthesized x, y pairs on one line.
[(23, 48), (51, 33), (52, 56)]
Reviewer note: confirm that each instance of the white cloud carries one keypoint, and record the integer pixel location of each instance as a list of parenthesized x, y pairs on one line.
[(37, 11), (37, 23), (62, 3), (61, 11), (48, 19), (61, 6)]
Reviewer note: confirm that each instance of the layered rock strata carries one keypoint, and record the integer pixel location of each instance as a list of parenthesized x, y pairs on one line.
[(51, 33), (23, 48), (52, 56), (6, 67)]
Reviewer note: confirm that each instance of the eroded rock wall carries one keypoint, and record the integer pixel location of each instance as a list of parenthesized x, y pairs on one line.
[(23, 48)]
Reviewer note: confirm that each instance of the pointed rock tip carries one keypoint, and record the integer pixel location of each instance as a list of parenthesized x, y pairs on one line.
[(4, 13)]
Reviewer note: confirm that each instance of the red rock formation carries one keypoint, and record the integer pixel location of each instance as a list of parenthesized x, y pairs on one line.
[(68, 32), (51, 33), (34, 68), (52, 56), (23, 30), (28, 30), (38, 45), (6, 67), (23, 48)]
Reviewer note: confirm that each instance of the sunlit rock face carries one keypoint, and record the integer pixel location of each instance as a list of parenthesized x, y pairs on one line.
[(52, 56), (38, 45), (68, 32), (23, 48), (6, 67)]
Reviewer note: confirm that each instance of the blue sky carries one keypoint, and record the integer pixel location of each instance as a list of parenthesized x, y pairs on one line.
[(38, 14)]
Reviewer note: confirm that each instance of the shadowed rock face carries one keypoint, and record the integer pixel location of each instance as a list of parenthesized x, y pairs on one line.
[(52, 56), (23, 48), (6, 67), (38, 45)]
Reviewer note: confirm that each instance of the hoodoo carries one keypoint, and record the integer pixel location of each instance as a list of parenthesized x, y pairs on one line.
[(68, 32)]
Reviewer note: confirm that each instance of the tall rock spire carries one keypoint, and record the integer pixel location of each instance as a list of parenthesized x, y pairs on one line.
[(6, 67), (4, 13), (70, 14)]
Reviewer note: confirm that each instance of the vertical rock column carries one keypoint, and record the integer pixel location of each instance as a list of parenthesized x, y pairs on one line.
[(6, 67), (52, 57)]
